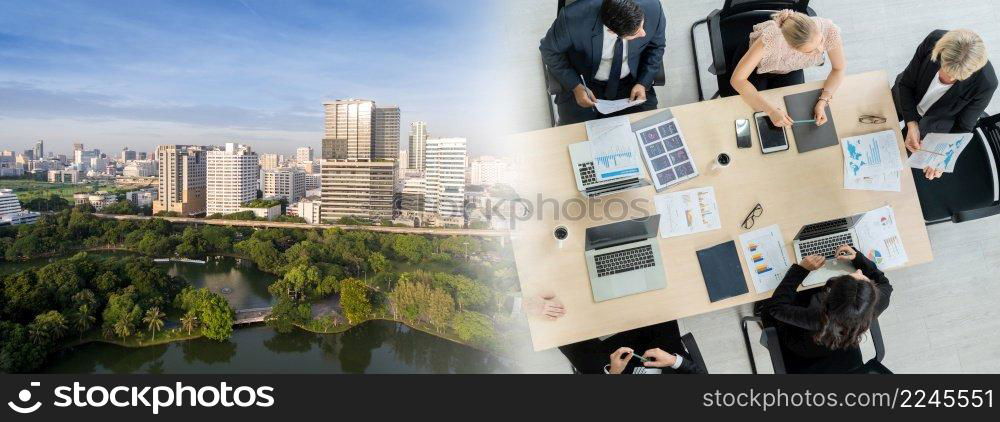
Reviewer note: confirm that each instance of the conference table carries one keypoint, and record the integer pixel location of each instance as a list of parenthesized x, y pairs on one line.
[(793, 188)]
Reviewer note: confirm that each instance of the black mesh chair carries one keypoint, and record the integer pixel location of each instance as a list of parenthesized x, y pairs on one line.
[(849, 361), (972, 191), (729, 31), (554, 88)]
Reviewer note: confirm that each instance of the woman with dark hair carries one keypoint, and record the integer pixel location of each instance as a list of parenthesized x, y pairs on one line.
[(820, 329)]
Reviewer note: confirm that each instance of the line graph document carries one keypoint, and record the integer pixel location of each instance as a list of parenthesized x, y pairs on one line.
[(766, 257), (871, 154), (940, 151), (687, 212), (614, 148)]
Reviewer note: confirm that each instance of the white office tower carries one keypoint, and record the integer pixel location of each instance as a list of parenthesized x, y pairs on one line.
[(487, 171), (232, 178), (270, 161), (445, 164), (416, 147), (11, 212), (285, 183), (39, 150), (309, 208), (403, 162), (385, 143), (348, 129), (140, 168), (304, 154)]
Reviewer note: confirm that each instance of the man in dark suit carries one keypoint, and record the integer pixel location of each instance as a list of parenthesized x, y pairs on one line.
[(945, 88), (660, 346), (605, 49)]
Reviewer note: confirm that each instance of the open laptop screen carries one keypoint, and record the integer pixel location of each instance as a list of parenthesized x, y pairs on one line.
[(622, 232)]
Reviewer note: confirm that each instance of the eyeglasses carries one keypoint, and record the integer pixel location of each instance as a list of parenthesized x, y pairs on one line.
[(872, 120), (757, 211)]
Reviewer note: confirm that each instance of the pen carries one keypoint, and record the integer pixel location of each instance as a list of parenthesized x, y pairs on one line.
[(584, 82), (931, 152), (803, 121)]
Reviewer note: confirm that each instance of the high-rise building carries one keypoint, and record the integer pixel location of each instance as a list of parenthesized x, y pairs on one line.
[(182, 184), (127, 155), (11, 213), (385, 143), (445, 177), (78, 146), (361, 189), (348, 130), (487, 171), (417, 145), (285, 183), (83, 157), (270, 161), (403, 162), (304, 154), (232, 178), (39, 150), (140, 168)]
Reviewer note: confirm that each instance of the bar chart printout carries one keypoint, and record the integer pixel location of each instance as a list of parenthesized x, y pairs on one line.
[(766, 257), (613, 147)]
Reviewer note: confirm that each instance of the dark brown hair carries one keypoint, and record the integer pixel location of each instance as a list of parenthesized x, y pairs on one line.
[(846, 312)]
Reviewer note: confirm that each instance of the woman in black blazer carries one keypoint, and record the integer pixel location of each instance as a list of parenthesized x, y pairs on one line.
[(945, 88), (820, 329)]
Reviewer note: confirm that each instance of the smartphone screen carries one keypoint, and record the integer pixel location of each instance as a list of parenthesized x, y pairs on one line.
[(771, 136), (743, 139)]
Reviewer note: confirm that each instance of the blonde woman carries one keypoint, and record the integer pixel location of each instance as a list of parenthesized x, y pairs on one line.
[(945, 88), (779, 49)]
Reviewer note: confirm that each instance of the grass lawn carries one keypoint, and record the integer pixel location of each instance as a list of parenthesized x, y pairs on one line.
[(29, 189)]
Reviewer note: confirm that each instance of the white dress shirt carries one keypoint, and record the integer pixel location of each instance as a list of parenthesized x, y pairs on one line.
[(608, 55), (935, 91)]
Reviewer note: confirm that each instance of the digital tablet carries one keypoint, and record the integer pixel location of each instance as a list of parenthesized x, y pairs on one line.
[(772, 138)]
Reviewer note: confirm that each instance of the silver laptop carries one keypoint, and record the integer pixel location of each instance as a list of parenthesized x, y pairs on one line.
[(624, 258), (586, 178), (823, 239)]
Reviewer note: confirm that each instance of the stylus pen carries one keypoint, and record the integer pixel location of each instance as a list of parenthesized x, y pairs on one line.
[(641, 359), (584, 81), (803, 121), (931, 152)]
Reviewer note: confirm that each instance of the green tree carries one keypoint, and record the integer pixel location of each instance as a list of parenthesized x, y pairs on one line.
[(440, 309), (474, 327), (124, 328), (154, 320), (354, 300), (84, 318), (378, 262), (47, 327), (286, 314), (213, 312), (18, 353)]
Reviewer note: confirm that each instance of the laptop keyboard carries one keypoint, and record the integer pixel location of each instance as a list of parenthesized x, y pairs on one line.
[(826, 246), (624, 260), (587, 174)]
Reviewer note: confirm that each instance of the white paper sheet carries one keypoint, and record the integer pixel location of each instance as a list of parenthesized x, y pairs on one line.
[(940, 151), (887, 182), (614, 106), (871, 154), (766, 257), (687, 212), (613, 147), (879, 240)]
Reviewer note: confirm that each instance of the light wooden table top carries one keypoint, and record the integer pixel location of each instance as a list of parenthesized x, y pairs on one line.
[(794, 189)]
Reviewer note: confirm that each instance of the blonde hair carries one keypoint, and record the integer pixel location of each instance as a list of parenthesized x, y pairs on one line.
[(798, 28), (961, 53)]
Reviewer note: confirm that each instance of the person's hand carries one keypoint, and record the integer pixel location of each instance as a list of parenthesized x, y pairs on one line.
[(659, 359), (584, 97), (846, 253), (912, 137), (619, 359), (548, 307), (932, 173), (779, 117), (638, 93), (819, 113), (812, 262)]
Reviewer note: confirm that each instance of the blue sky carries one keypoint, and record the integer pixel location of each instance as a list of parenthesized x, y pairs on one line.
[(142, 73)]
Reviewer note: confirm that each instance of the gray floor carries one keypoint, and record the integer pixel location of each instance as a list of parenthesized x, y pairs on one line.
[(944, 316)]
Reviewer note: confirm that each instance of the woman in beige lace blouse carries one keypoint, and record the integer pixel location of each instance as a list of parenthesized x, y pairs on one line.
[(780, 47)]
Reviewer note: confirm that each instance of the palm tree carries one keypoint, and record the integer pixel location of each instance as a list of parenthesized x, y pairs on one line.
[(84, 319), (124, 328), (37, 333), (189, 321), (154, 319)]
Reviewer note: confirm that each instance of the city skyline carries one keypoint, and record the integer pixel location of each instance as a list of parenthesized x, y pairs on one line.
[(142, 78)]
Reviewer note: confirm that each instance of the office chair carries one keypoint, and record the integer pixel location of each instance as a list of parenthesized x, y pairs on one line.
[(729, 30), (554, 88), (846, 361), (972, 191)]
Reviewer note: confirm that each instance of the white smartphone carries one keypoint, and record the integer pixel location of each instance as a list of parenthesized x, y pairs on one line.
[(772, 138)]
